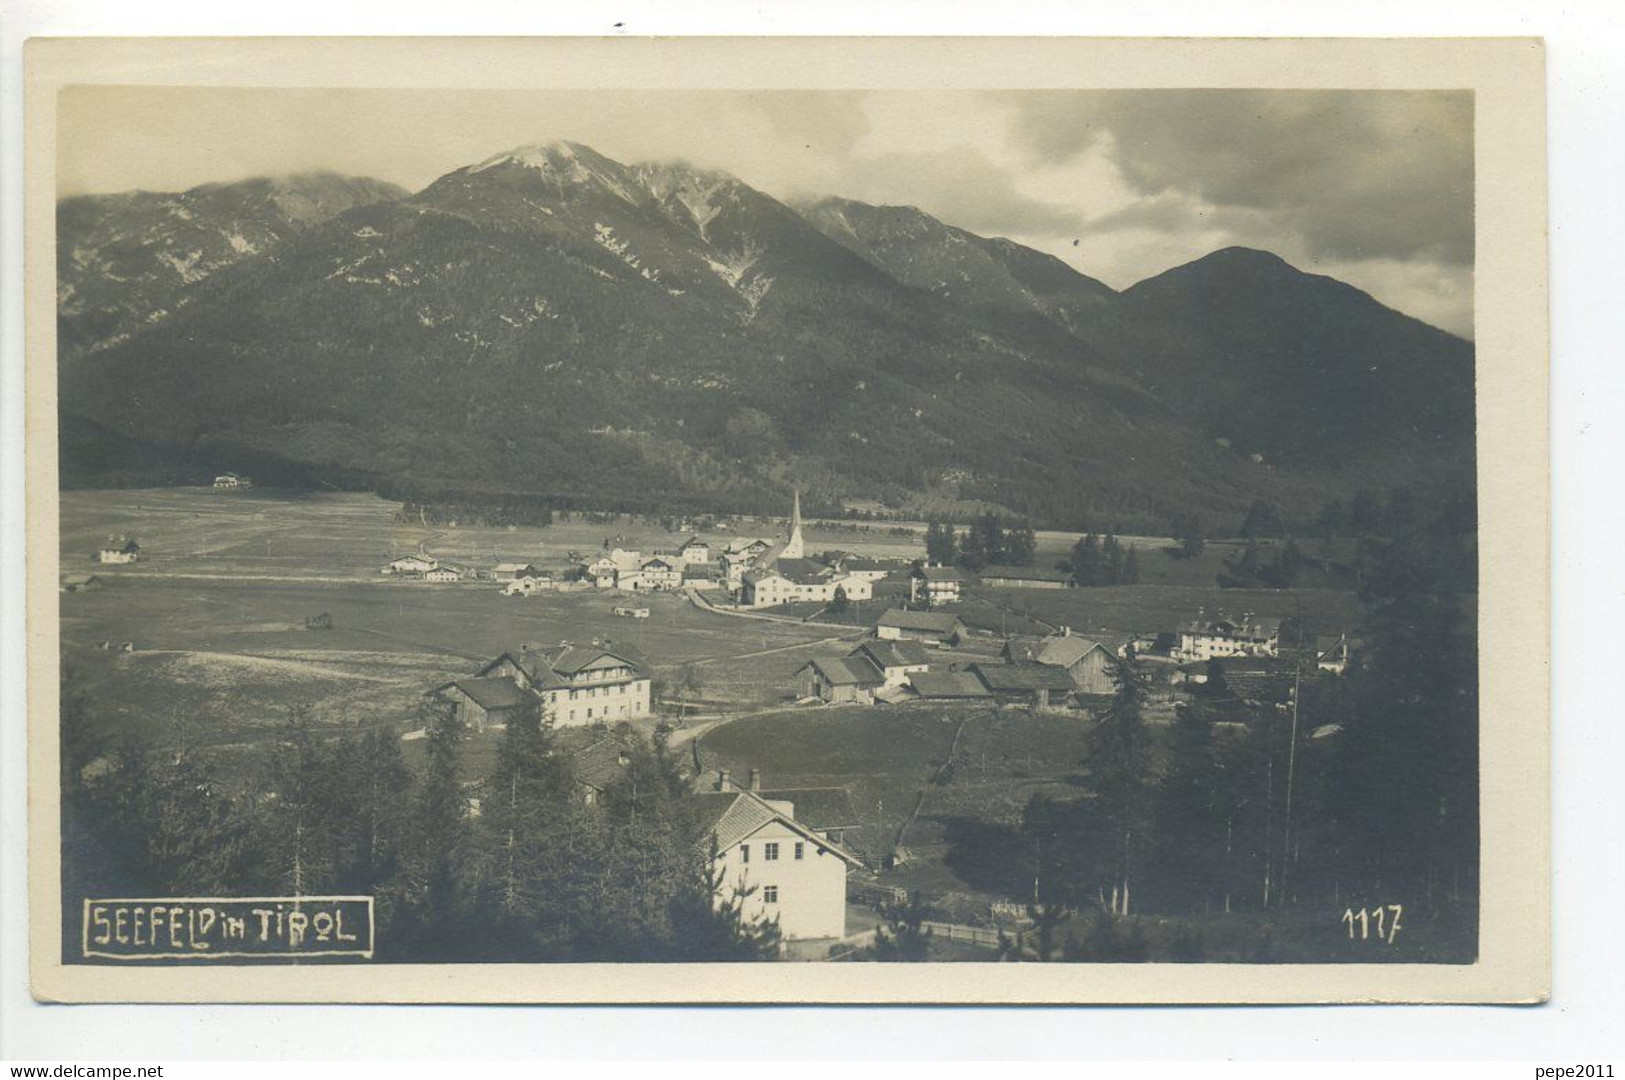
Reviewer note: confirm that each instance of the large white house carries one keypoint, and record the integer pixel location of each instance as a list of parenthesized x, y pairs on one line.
[(936, 585), (1205, 639), (659, 575), (695, 551), (579, 684), (777, 868), (798, 580)]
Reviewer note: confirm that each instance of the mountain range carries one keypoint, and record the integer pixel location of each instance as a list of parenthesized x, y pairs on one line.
[(551, 321)]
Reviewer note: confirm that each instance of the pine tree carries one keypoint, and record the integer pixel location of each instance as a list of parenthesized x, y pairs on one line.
[(435, 889), (1070, 846), (1112, 557), (940, 548), (1189, 821), (1086, 561), (1121, 762), (1410, 751), (1021, 546), (1131, 568), (522, 803), (902, 937), (1187, 529)]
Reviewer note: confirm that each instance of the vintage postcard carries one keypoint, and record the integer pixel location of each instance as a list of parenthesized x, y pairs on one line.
[(787, 520)]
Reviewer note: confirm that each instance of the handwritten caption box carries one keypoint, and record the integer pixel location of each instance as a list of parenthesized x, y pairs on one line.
[(219, 928)]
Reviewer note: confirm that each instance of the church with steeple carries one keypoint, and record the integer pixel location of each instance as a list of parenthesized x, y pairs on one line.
[(783, 573), (792, 547)]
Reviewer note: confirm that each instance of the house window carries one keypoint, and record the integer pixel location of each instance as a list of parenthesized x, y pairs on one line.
[(801, 850), (744, 853), (770, 894), (770, 851)]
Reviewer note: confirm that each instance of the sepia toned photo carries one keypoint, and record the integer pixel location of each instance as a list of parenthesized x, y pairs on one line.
[(899, 534)]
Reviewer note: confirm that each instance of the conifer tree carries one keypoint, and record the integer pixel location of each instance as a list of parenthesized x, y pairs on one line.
[(1086, 561)]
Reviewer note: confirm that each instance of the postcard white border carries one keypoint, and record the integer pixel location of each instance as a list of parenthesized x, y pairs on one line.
[(1506, 76)]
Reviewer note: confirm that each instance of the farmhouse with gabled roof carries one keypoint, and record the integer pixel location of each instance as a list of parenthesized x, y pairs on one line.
[(775, 866)]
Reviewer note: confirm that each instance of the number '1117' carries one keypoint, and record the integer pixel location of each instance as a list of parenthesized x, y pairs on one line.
[(1384, 919)]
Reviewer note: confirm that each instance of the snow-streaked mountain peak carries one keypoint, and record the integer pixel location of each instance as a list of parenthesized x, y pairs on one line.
[(567, 162)]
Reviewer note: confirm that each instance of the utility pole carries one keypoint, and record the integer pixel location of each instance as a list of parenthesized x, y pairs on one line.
[(1292, 756)]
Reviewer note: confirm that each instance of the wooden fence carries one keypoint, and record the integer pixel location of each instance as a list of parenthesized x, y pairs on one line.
[(985, 936)]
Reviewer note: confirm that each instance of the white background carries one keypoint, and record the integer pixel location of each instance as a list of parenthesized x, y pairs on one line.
[(1586, 66)]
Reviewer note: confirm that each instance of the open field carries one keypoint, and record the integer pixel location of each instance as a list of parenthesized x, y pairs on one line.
[(216, 611), (888, 757), (217, 624), (1118, 611), (352, 535), (1161, 564)]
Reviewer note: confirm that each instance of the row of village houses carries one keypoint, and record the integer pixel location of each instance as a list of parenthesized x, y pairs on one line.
[(782, 854), (602, 683)]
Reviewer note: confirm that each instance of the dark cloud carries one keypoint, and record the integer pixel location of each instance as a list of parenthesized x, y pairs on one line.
[(961, 186), (1355, 174)]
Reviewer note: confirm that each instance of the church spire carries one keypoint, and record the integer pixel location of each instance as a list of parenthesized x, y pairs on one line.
[(794, 548)]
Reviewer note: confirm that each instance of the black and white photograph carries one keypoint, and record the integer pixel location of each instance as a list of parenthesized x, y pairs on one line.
[(815, 527)]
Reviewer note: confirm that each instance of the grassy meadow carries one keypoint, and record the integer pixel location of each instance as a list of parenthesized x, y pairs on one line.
[(216, 614)]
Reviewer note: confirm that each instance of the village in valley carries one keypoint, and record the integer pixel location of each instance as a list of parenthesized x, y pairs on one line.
[(616, 554), (944, 696)]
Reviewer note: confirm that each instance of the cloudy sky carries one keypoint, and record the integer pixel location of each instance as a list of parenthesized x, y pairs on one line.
[(1373, 187)]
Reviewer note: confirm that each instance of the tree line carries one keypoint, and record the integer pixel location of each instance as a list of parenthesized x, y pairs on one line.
[(1361, 790), (513, 865), (987, 541)]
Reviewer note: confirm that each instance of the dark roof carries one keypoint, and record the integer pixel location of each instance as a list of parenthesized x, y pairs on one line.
[(858, 562), (1023, 573), (1023, 677), (1260, 679), (802, 571), (934, 621), (493, 693), (1058, 650), (893, 653), (817, 807), (941, 573), (1326, 646), (732, 816), (1263, 689), (545, 666), (717, 814), (599, 764), (569, 659), (1233, 627), (1256, 665), (844, 671), (947, 684)]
